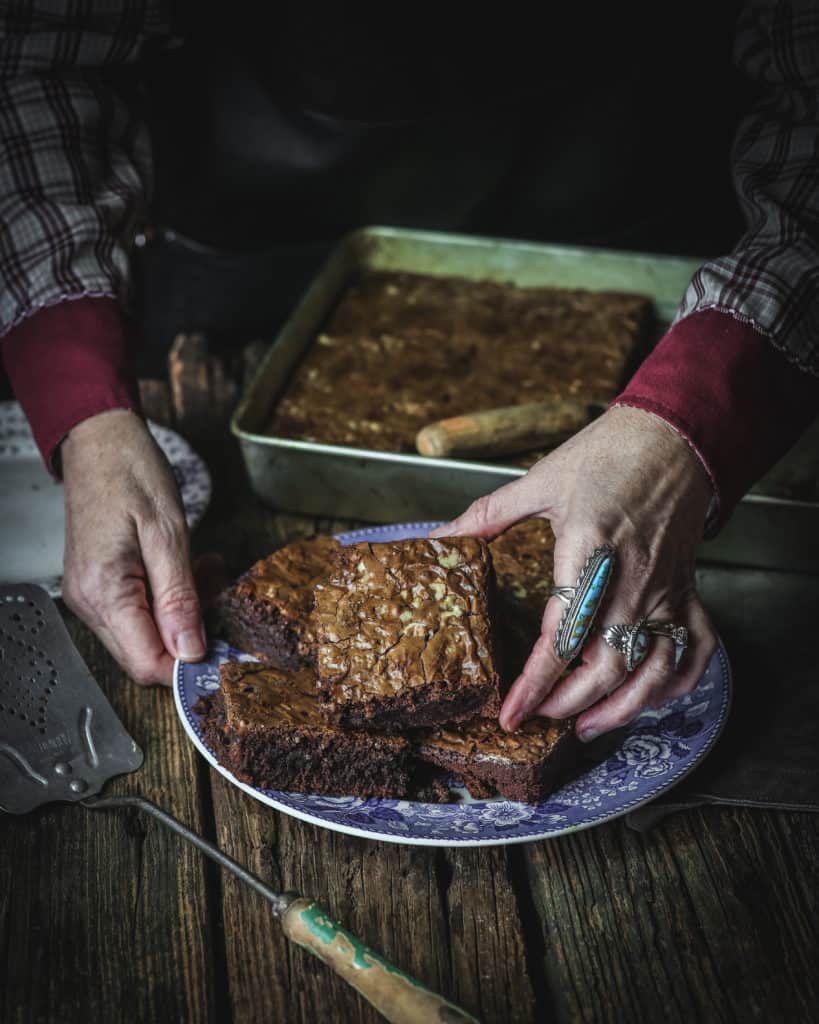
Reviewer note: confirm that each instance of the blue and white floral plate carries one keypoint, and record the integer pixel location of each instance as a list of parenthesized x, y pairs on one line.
[(657, 750)]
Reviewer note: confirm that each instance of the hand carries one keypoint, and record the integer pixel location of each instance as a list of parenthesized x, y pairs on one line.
[(127, 570), (631, 481)]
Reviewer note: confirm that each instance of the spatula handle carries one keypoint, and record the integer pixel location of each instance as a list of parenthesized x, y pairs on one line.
[(398, 996)]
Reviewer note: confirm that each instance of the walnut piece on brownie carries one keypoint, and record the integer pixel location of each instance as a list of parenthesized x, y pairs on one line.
[(265, 726), (524, 765), (405, 634), (267, 611)]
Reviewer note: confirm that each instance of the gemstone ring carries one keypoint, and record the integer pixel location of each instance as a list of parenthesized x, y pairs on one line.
[(582, 602), (633, 639)]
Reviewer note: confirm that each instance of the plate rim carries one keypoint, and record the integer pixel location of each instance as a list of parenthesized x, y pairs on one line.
[(363, 833), (261, 795)]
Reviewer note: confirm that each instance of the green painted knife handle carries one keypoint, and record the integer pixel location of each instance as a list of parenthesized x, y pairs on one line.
[(398, 996)]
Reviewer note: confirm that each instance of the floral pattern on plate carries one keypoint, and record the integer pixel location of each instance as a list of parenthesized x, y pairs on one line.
[(653, 753)]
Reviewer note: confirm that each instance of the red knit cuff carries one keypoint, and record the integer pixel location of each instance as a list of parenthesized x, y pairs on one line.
[(69, 362), (737, 401)]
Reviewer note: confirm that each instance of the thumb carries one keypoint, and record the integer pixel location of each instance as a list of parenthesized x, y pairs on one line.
[(174, 599), (495, 512)]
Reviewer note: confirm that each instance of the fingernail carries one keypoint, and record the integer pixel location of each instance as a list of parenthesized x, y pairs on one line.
[(190, 644), (588, 734)]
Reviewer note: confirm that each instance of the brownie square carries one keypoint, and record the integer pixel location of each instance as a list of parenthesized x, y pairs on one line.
[(405, 635), (267, 612), (265, 726), (523, 559), (525, 765)]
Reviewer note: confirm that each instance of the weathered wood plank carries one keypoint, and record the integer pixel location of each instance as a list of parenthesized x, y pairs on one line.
[(485, 902), (203, 387), (711, 916), (449, 917), (105, 916)]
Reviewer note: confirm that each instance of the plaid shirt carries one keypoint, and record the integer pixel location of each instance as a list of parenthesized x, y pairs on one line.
[(771, 279), (75, 160), (75, 166)]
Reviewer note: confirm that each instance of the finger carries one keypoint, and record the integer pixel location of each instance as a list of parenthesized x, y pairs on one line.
[(174, 600), (628, 700), (135, 642), (544, 668), (493, 513), (654, 678), (702, 642), (115, 605), (602, 671)]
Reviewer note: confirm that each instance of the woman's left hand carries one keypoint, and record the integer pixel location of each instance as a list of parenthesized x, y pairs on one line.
[(630, 481)]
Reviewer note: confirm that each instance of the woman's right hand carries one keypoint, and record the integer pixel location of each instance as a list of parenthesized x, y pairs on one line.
[(127, 571)]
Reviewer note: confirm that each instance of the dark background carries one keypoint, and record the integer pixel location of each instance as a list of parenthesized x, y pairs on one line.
[(603, 128)]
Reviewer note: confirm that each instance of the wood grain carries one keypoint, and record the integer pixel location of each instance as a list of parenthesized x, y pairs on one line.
[(449, 918), (424, 909), (105, 916), (203, 387), (711, 916)]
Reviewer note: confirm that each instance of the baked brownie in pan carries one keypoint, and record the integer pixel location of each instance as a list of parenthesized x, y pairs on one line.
[(265, 726), (525, 765), (403, 350), (267, 612), (405, 635)]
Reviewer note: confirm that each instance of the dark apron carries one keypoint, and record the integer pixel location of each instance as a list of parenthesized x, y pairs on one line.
[(609, 129)]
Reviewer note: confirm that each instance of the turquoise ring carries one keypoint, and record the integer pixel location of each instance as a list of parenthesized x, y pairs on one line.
[(582, 602)]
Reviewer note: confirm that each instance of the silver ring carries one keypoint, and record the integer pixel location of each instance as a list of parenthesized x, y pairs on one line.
[(632, 640), (679, 634), (566, 594), (582, 602)]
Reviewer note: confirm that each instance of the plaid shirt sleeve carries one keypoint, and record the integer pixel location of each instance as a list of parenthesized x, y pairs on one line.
[(771, 279), (74, 158)]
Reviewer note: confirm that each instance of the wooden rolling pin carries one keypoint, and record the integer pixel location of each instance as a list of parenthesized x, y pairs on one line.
[(507, 431)]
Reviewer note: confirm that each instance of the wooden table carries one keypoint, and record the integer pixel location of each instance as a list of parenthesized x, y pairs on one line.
[(711, 916)]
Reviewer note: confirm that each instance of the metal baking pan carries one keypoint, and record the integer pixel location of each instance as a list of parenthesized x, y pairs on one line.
[(356, 483)]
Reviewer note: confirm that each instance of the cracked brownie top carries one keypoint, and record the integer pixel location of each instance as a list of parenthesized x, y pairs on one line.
[(406, 615), (484, 740), (286, 577), (258, 695), (411, 349)]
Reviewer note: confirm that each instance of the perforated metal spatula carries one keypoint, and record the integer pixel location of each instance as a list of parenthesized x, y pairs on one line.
[(61, 740)]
